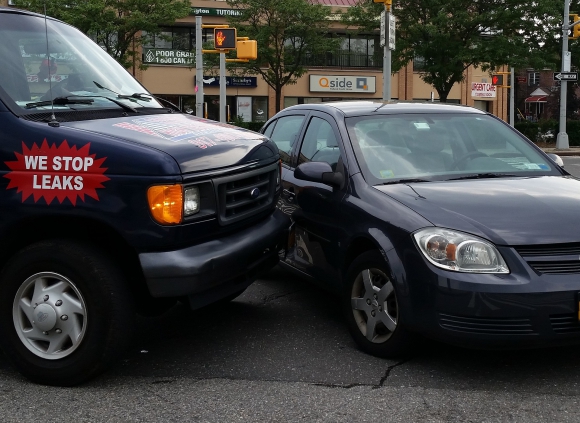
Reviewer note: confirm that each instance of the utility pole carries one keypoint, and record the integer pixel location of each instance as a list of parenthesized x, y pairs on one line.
[(562, 142), (198, 68), (388, 43), (512, 96)]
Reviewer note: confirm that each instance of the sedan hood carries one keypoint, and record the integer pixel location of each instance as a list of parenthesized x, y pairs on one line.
[(507, 211), (195, 144)]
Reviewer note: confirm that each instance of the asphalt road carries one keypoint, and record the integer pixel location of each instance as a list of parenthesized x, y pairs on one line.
[(281, 353), (572, 165)]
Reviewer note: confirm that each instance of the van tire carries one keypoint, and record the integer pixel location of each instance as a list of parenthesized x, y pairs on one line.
[(66, 313)]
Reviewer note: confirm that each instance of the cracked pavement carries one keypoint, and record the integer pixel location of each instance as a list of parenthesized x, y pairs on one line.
[(281, 353)]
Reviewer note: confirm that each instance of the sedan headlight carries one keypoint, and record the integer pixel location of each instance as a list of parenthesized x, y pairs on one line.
[(460, 252)]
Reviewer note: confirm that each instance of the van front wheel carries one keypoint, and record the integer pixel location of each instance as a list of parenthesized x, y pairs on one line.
[(65, 312)]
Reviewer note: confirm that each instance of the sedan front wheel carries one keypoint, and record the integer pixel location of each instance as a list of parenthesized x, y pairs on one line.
[(372, 308)]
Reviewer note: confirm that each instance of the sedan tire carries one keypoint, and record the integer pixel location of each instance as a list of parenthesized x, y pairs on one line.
[(372, 309)]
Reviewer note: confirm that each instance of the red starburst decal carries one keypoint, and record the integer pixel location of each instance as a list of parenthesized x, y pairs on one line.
[(56, 172)]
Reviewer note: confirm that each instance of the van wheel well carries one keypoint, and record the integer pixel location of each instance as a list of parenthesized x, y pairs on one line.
[(29, 231)]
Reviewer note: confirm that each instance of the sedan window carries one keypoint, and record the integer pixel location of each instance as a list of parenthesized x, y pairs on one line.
[(320, 144), (441, 147), (285, 133)]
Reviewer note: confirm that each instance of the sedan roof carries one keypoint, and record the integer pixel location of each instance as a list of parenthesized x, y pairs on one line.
[(365, 107)]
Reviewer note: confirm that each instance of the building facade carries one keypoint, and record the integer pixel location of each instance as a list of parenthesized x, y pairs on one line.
[(355, 72)]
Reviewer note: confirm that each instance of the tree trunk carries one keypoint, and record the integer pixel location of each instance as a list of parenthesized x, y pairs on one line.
[(278, 91)]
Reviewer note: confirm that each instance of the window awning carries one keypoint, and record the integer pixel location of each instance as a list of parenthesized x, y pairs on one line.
[(537, 99)]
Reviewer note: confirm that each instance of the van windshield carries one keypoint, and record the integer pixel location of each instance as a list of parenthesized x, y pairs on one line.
[(68, 68)]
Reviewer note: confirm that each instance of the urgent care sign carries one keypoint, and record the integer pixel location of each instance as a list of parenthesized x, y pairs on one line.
[(483, 90)]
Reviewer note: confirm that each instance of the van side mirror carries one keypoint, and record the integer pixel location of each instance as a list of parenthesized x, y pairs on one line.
[(320, 172)]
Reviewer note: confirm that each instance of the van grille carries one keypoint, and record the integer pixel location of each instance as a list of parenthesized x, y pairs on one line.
[(557, 259), (246, 194)]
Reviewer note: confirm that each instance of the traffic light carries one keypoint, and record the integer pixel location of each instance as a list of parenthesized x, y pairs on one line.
[(247, 49), (496, 79), (224, 38), (575, 28)]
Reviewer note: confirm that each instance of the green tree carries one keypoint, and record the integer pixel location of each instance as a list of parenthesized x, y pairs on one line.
[(452, 35), (288, 33), (116, 25)]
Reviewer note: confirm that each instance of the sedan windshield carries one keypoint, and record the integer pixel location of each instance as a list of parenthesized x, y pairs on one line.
[(68, 67), (427, 147)]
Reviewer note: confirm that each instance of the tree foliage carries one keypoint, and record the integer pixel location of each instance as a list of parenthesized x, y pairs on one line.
[(452, 35), (116, 25), (288, 33)]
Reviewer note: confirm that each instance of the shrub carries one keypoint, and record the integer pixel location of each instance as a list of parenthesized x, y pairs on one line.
[(252, 126)]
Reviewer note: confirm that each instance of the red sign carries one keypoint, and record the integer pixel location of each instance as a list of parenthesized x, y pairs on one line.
[(56, 172), (521, 79)]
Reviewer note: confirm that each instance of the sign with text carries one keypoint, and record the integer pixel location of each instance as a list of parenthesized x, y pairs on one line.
[(166, 56), (483, 90), (342, 84), (566, 76), (211, 11), (231, 81)]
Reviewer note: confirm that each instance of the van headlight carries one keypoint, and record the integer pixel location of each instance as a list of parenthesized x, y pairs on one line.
[(460, 252), (191, 201)]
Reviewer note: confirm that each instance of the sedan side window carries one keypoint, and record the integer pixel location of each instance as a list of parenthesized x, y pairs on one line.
[(285, 133), (320, 144)]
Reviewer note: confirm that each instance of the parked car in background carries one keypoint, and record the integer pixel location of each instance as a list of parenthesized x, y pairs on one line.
[(433, 219)]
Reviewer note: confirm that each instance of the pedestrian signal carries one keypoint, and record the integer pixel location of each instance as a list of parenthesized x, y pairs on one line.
[(497, 80), (224, 38)]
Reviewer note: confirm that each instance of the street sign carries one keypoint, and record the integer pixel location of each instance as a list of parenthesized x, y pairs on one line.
[(521, 79), (391, 31), (565, 76), (382, 39)]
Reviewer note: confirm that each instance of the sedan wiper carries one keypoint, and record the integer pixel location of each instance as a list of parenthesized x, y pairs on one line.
[(405, 181), (486, 175), (58, 101)]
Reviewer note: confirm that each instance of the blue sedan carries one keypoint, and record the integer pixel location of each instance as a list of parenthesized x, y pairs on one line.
[(430, 219)]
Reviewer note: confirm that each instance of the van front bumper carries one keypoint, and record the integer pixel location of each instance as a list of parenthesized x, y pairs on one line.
[(229, 263)]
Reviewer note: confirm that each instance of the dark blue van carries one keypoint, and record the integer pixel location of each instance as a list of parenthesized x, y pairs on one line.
[(112, 203)]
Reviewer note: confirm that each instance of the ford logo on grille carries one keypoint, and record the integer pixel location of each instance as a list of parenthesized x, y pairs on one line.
[(255, 193)]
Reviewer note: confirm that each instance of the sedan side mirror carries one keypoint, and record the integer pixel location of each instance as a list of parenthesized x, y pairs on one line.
[(556, 159), (320, 172)]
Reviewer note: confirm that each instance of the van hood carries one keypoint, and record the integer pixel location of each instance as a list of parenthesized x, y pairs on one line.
[(507, 211), (196, 144)]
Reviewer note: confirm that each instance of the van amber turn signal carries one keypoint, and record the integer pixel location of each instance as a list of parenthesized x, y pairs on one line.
[(166, 203)]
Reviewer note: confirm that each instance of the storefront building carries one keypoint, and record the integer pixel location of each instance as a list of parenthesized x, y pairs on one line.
[(354, 72)]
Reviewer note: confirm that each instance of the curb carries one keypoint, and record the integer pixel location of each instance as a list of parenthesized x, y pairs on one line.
[(562, 153)]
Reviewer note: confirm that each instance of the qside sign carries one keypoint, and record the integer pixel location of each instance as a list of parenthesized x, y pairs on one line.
[(341, 83)]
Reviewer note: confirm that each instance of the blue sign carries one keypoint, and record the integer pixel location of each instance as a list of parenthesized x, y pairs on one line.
[(231, 81)]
